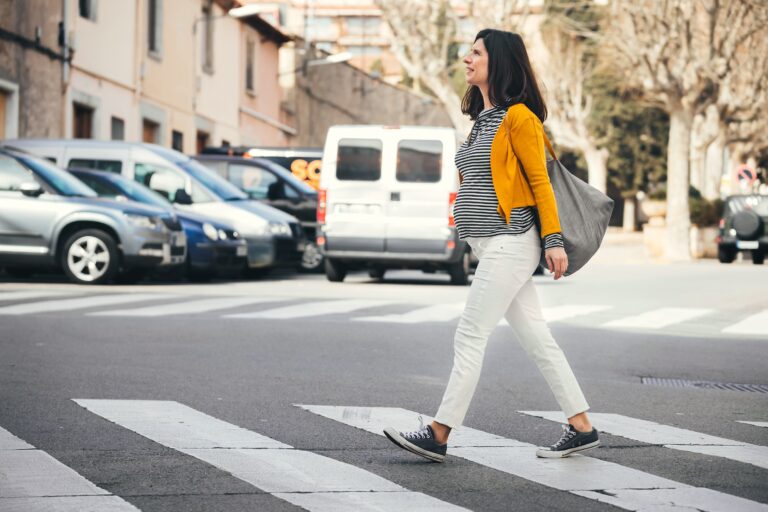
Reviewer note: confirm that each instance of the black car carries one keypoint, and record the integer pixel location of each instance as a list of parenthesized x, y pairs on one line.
[(744, 227), (266, 181)]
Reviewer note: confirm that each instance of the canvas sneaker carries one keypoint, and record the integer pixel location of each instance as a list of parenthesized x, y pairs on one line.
[(571, 441), (421, 442)]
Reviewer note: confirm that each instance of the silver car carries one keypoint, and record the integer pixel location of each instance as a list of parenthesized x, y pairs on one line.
[(49, 218)]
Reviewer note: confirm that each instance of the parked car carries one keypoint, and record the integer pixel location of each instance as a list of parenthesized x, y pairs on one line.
[(264, 180), (744, 227), (274, 238), (385, 201), (304, 163), (213, 247), (48, 218)]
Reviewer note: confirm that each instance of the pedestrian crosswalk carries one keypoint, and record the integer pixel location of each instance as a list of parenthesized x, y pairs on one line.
[(695, 321), (32, 480)]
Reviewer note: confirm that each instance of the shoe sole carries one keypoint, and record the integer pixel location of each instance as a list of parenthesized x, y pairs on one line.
[(549, 454), (403, 443)]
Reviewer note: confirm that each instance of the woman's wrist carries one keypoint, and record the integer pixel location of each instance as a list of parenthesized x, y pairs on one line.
[(554, 240)]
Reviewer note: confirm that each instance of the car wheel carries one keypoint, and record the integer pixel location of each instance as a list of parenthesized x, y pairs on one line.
[(726, 255), (377, 273), (311, 259), (459, 271), (758, 257), (335, 271), (90, 256)]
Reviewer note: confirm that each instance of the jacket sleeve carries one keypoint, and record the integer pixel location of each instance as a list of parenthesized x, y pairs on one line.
[(527, 140)]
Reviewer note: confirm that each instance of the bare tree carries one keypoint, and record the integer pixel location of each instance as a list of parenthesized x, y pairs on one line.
[(679, 52)]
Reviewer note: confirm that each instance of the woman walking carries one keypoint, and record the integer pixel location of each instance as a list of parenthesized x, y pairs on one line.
[(494, 214)]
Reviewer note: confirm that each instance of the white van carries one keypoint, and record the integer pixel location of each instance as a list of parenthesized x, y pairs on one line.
[(385, 201), (274, 238)]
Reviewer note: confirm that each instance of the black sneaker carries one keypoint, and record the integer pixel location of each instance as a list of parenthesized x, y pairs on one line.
[(571, 441), (421, 442)]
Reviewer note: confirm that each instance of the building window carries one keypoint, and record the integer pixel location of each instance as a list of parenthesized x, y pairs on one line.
[(202, 141), (177, 140), (250, 54), (83, 122), (118, 128), (87, 9), (208, 36), (154, 27), (150, 131), (361, 25)]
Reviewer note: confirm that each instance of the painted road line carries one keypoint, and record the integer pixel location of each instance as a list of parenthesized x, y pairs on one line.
[(755, 324), (658, 318), (558, 313), (330, 307), (763, 424), (187, 308), (97, 300), (436, 313), (591, 478), (670, 437), (32, 481), (300, 477), (31, 294)]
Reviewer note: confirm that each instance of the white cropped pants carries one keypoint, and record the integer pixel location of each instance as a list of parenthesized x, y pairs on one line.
[(503, 287)]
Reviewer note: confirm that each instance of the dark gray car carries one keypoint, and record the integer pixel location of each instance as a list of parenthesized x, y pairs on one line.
[(49, 218)]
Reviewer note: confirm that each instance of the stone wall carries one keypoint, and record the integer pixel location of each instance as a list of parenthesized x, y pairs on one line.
[(33, 64)]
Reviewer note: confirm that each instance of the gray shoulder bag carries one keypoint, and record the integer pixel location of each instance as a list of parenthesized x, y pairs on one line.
[(583, 210)]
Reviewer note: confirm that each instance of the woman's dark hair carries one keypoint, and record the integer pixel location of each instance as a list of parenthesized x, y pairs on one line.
[(510, 77)]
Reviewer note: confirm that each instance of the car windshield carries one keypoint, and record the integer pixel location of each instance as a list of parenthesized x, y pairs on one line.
[(58, 179), (212, 181), (113, 186), (759, 204)]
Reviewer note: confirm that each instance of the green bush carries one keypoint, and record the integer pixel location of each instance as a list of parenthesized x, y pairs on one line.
[(704, 212)]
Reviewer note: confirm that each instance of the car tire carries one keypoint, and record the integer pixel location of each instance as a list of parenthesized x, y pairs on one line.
[(131, 275), (377, 273), (311, 259), (459, 271), (758, 257), (97, 247), (726, 255), (335, 271)]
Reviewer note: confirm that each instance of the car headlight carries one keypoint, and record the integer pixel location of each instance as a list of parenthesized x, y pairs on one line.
[(143, 221), (210, 231), (279, 228), (222, 234)]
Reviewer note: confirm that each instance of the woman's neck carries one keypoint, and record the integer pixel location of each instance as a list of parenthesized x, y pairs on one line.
[(486, 100)]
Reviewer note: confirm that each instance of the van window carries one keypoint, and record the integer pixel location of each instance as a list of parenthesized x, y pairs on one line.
[(359, 160), (419, 161), (102, 165), (163, 180), (255, 181)]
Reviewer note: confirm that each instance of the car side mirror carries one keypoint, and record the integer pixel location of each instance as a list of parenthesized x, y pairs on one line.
[(31, 189), (182, 197)]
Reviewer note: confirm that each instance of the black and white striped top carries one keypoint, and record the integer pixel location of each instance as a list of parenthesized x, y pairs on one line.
[(475, 210)]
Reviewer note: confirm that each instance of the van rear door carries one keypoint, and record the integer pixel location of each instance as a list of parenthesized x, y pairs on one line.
[(356, 199), (424, 177)]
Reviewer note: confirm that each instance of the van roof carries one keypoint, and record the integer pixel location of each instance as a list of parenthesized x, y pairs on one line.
[(391, 127)]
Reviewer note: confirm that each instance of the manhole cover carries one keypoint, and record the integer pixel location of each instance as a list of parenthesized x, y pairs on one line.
[(704, 384)]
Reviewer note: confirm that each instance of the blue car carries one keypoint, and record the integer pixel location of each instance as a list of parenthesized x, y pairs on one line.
[(213, 247)]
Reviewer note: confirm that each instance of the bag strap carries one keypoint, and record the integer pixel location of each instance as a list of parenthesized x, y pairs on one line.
[(549, 145)]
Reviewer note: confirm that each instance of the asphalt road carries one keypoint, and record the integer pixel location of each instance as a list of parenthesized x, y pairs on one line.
[(301, 341)]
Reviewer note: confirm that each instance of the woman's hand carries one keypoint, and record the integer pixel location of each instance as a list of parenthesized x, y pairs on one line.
[(557, 261)]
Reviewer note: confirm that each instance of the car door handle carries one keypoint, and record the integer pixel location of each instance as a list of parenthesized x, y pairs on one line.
[(395, 196)]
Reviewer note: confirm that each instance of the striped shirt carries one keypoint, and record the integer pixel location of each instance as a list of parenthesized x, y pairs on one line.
[(476, 208)]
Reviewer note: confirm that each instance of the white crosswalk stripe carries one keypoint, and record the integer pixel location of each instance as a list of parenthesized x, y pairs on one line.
[(763, 424), (188, 308), (436, 313), (71, 304), (559, 313), (30, 294), (33, 481), (588, 477), (658, 318), (306, 479), (755, 324), (314, 309), (670, 437)]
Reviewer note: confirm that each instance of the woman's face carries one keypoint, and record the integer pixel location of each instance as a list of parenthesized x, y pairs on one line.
[(476, 63)]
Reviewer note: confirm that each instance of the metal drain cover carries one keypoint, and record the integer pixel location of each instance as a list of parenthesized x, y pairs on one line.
[(704, 384)]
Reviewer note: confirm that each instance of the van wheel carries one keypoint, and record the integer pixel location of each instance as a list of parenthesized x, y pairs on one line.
[(335, 271), (377, 273), (459, 271), (725, 255), (758, 257), (90, 256)]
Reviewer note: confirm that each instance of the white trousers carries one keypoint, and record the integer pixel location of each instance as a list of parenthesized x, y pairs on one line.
[(503, 287)]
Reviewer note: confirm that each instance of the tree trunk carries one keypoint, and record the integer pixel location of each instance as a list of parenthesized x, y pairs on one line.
[(714, 168), (678, 154), (597, 166)]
